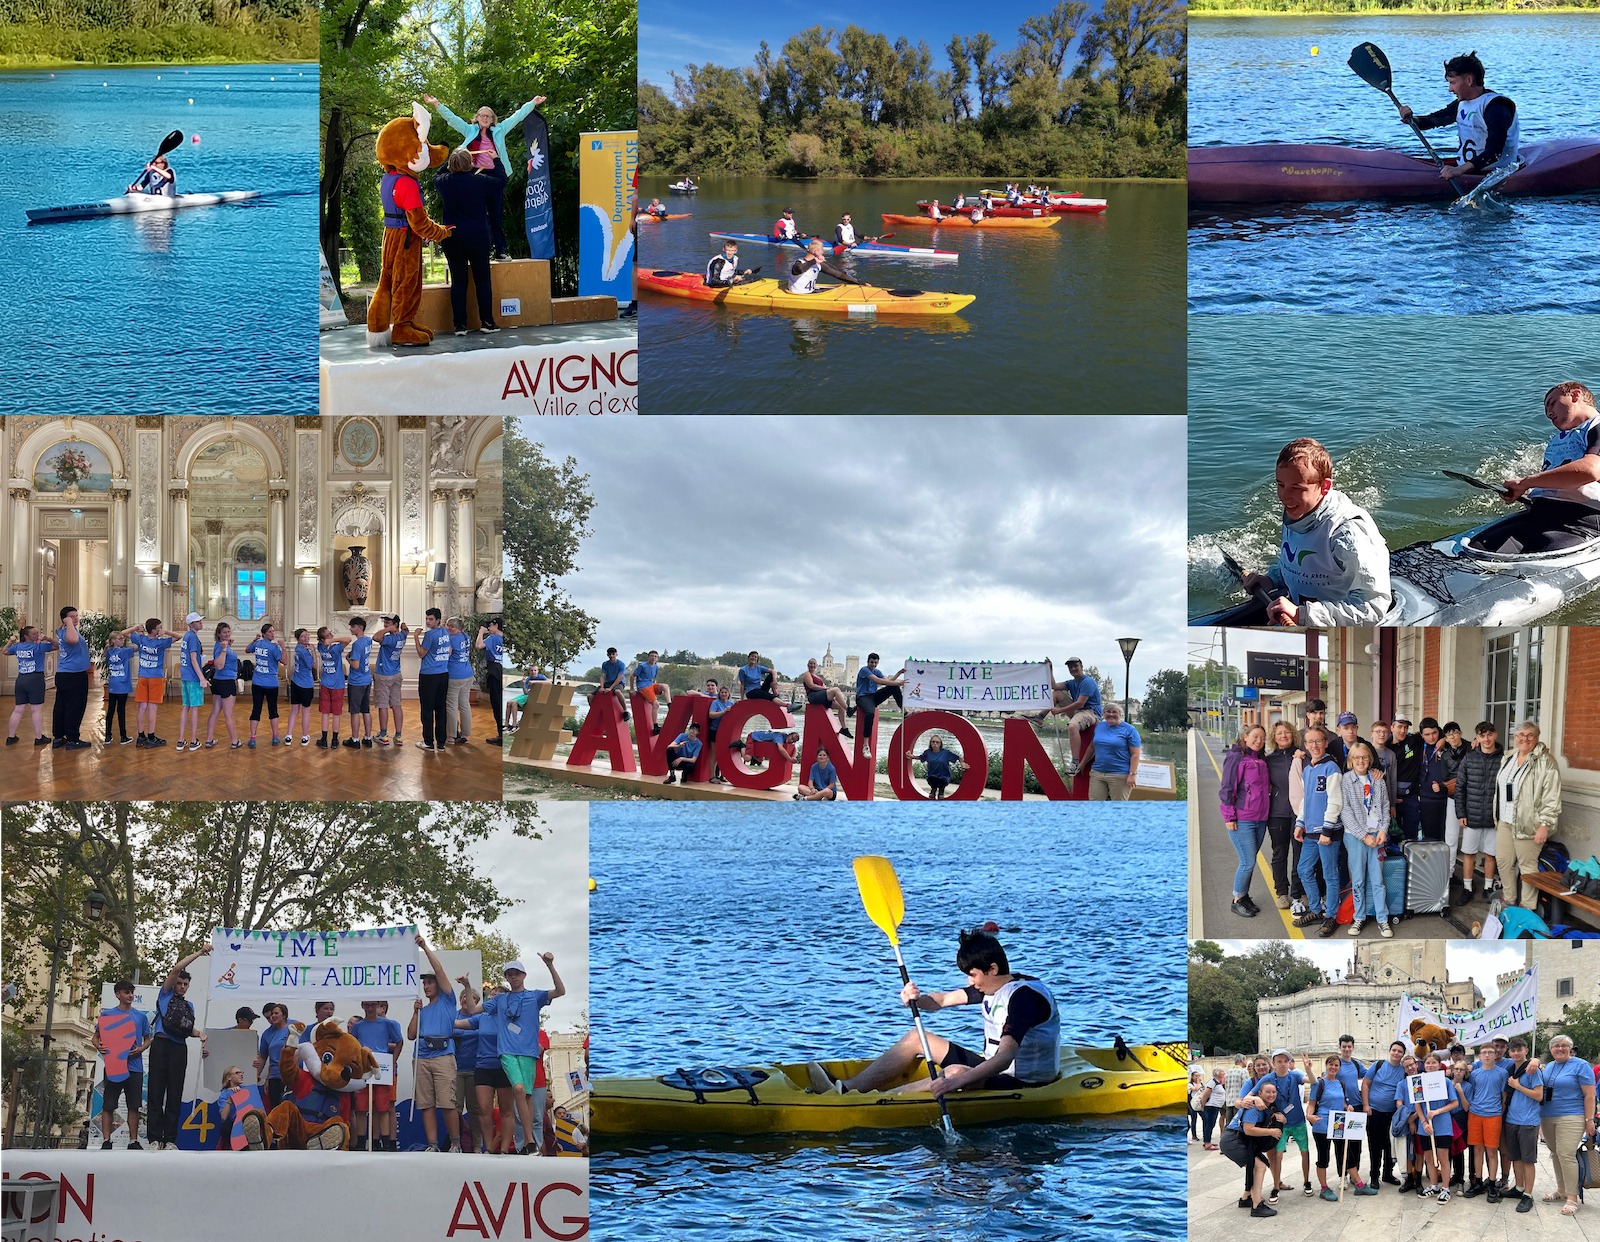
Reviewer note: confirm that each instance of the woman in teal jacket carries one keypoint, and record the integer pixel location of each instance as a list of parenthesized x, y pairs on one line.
[(485, 137)]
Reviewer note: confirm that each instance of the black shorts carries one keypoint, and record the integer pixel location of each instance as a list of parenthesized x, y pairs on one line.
[(302, 696), (1433, 1142), (130, 1090), (224, 689), (957, 1055), (490, 1076), (1243, 1149), (817, 698), (1521, 1142)]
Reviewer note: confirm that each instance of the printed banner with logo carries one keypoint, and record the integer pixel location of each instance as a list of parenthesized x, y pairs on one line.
[(1512, 1011), (606, 166), (347, 967), (538, 216), (976, 686)]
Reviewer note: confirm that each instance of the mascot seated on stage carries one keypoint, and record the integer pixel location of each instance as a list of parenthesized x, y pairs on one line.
[(1426, 1037), (403, 151), (320, 1075)]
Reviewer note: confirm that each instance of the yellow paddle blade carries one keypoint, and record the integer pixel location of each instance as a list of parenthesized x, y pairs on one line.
[(880, 894)]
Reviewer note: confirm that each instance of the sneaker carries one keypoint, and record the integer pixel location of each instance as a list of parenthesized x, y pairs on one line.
[(672, 779), (41, 740), (1526, 1205), (1244, 1201), (211, 744), (1365, 1188), (1283, 902), (79, 745), (1309, 1190), (495, 741), (1355, 927), (431, 1147), (1297, 907), (1493, 1193), (1390, 1178), (366, 743), (153, 740), (252, 743), (351, 743), (1328, 1194), (461, 331), (1272, 1196), (455, 1148), (1474, 1190), (12, 741), (1428, 1191), (125, 741), (141, 743), (133, 1146), (1246, 900), (106, 1146), (1444, 1195), (528, 1149), (489, 327), (1386, 930), (1242, 910), (195, 745), (383, 738), (846, 733), (655, 730), (322, 742), (305, 739), (1262, 1210), (57, 743), (424, 745), (1307, 917), (1329, 926)]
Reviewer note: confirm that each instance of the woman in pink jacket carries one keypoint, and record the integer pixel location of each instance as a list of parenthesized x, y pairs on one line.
[(1246, 798)]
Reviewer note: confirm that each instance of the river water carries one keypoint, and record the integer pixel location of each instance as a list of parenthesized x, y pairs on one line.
[(1085, 317), (729, 935), (203, 311), (1255, 80)]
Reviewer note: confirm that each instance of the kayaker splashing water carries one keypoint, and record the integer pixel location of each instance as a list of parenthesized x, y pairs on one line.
[(157, 178), (1487, 126), (1563, 496)]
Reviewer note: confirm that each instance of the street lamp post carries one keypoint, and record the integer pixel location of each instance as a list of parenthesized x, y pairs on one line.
[(93, 904), (1127, 645)]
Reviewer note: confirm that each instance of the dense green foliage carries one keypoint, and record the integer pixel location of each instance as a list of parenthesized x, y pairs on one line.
[(1309, 8), (1223, 991), (1080, 95), (106, 32), (378, 56)]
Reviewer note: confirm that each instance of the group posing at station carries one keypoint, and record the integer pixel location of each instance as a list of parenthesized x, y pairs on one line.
[(1498, 1105), (1334, 805), (326, 676)]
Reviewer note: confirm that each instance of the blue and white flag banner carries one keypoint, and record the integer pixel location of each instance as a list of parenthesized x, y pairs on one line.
[(1510, 1012), (976, 686), (537, 207), (348, 967)]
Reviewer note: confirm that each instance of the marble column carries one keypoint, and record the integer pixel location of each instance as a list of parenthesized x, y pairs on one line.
[(439, 542), (277, 547), (215, 587), (466, 575), (178, 542), (22, 552), (121, 551)]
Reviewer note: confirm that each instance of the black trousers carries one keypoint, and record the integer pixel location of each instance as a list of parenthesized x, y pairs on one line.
[(462, 259), (496, 698), (1545, 526), (1382, 1158), (1433, 821), (72, 698), (260, 695), (117, 706), (432, 691), (169, 1061), (1285, 858), (497, 228)]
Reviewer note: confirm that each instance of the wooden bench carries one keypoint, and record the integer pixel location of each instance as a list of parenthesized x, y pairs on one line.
[(1563, 903)]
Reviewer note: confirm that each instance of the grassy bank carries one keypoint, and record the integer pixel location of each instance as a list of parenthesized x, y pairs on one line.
[(273, 40), (1379, 8)]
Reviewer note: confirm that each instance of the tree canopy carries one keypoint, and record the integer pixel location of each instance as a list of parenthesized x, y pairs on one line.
[(1166, 700), (1224, 991)]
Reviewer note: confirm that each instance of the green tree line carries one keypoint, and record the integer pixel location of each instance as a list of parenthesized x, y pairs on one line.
[(124, 31), (1079, 94), (1244, 8)]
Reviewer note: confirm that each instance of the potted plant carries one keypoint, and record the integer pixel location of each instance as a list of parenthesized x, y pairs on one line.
[(98, 627)]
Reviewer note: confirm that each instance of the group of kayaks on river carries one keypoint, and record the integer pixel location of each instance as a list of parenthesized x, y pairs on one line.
[(1335, 568)]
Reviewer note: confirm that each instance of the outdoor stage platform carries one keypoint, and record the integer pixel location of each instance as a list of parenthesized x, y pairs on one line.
[(466, 773), (188, 1196), (574, 368)]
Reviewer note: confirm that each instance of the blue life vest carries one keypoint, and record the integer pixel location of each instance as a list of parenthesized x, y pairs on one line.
[(393, 216)]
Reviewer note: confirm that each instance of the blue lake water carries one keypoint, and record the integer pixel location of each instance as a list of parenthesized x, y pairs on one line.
[(1255, 80), (202, 311), (727, 934)]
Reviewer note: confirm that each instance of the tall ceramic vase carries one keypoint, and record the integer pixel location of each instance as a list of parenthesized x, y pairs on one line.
[(356, 574)]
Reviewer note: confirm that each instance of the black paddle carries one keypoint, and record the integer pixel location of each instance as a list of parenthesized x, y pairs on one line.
[(1472, 480), (1261, 595), (1372, 67), (171, 141)]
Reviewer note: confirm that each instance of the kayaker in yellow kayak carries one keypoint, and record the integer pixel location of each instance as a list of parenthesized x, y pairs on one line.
[(803, 274), (723, 270), (1021, 1032)]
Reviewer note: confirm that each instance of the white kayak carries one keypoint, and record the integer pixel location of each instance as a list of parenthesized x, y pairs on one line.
[(132, 204), (1448, 582)]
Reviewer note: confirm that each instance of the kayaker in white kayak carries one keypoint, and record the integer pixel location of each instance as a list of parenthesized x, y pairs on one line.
[(809, 266), (784, 226), (1486, 121), (723, 271), (1021, 1032), (844, 233), (157, 178), (1564, 494), (1334, 564)]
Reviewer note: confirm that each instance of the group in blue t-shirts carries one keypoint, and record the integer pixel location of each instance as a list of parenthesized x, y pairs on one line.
[(71, 648)]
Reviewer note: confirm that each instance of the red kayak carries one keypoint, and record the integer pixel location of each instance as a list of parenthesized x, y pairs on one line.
[(1281, 173), (646, 217), (1058, 208)]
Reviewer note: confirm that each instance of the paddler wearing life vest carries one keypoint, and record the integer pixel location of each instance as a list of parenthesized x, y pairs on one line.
[(1564, 494), (1334, 564), (723, 270), (1486, 121), (784, 225), (808, 267), (1021, 1032), (656, 208), (844, 233), (157, 178)]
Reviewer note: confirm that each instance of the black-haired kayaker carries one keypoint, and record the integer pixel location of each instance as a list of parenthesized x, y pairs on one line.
[(1486, 121), (844, 233), (157, 178), (784, 225), (805, 270), (1334, 565), (723, 270), (1564, 495), (1021, 1032)]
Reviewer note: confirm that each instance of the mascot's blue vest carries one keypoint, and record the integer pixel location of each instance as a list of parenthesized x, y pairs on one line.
[(393, 217)]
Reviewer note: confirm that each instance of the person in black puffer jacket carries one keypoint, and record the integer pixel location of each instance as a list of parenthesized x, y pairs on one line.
[(1474, 804), (465, 196)]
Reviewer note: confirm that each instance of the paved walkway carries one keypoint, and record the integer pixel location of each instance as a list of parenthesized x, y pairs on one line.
[(1215, 1182)]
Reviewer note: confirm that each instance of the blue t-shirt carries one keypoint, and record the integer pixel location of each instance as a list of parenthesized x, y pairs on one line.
[(1113, 746), (74, 657), (270, 1045), (718, 709), (1350, 1075), (305, 667), (224, 663), (611, 671), (488, 1043), (389, 653), (360, 656), (152, 654), (1086, 685), (1289, 1103), (1566, 1080), (1332, 1100), (438, 1019), (938, 762), (119, 669), (163, 1000), (141, 1032), (1524, 1111), (1256, 1117), (864, 682), (30, 657), (267, 656), (769, 735), (436, 650), (645, 674), (822, 775), (495, 646), (191, 645), (1444, 1124), (331, 657), (516, 1020), (460, 657), (750, 678), (1486, 1091), (378, 1034), (1384, 1081), (688, 747), (466, 1045)]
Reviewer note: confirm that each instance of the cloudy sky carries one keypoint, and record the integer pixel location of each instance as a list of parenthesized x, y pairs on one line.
[(551, 880), (1477, 960), (927, 537)]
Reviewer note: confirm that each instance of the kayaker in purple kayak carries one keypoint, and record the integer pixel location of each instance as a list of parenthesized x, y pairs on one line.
[(1486, 121)]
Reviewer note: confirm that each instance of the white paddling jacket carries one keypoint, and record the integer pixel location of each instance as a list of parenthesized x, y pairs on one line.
[(1038, 1059), (1335, 565)]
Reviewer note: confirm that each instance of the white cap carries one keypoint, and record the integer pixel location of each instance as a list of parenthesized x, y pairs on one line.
[(516, 966), (192, 618)]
